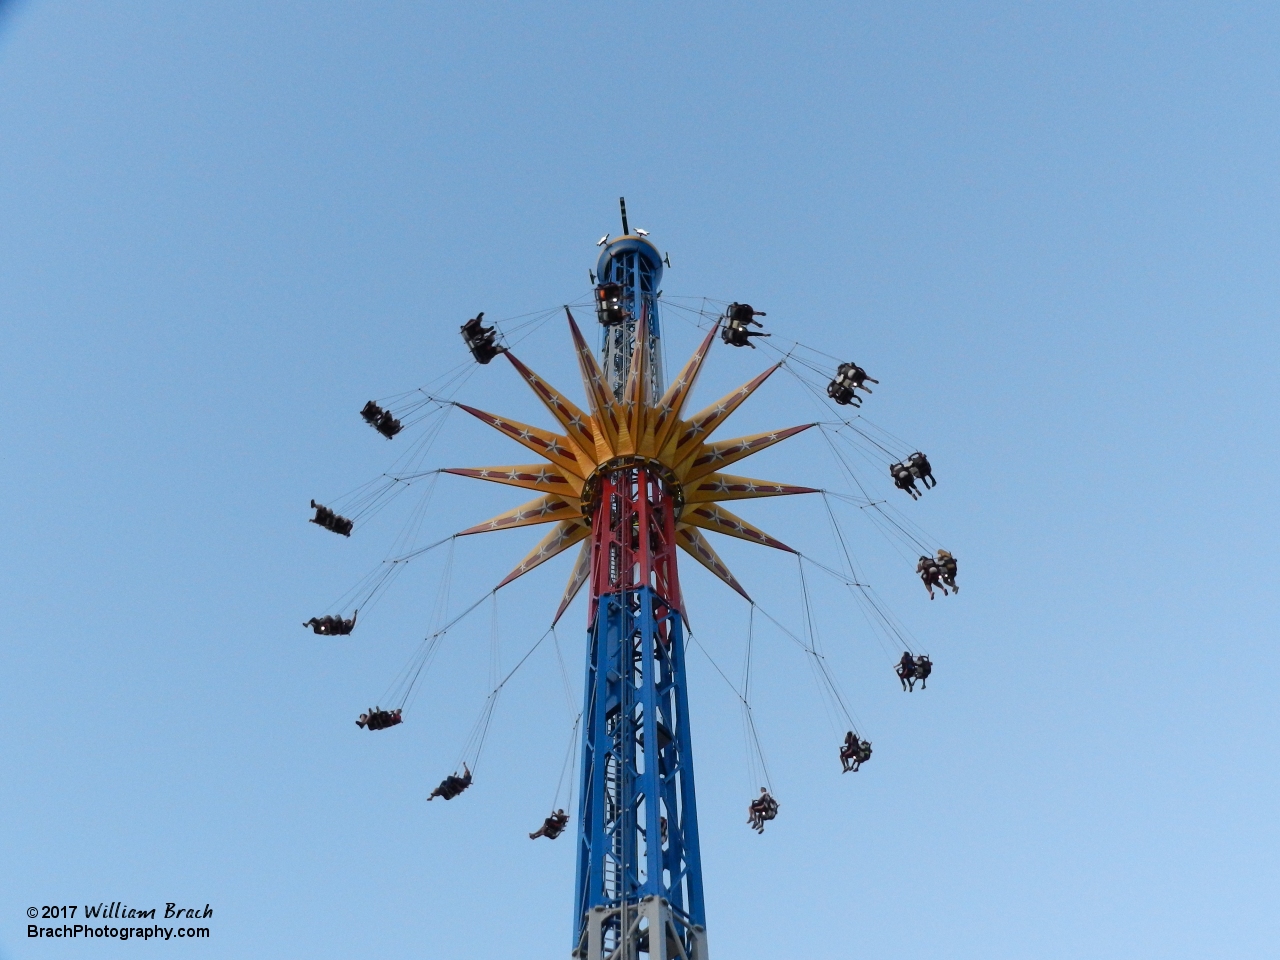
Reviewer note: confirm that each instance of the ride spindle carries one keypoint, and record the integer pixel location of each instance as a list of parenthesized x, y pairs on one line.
[(639, 872)]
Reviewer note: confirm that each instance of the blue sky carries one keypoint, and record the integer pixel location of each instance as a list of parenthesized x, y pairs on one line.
[(1048, 230)]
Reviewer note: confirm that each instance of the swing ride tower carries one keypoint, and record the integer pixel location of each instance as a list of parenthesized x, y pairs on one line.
[(639, 871), (628, 481)]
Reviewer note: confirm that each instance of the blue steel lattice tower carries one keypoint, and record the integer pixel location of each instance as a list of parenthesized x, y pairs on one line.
[(639, 873)]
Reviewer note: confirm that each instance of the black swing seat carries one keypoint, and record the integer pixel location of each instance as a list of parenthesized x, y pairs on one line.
[(382, 719), (739, 336), (331, 626), (451, 786), (849, 377), (331, 521), (480, 340), (381, 420), (609, 309), (843, 394)]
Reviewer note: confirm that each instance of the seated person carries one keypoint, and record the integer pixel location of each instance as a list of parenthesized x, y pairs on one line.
[(380, 719), (903, 479), (931, 575), (947, 569), (452, 785), (387, 425), (371, 412), (843, 394), (761, 809), (331, 521), (744, 314), (474, 329), (330, 626), (480, 339), (849, 752), (920, 467), (907, 665), (854, 377), (906, 670), (855, 752), (849, 378), (924, 667), (736, 332), (551, 827)]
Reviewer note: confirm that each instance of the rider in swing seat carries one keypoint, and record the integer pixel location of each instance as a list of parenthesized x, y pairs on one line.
[(931, 575), (907, 664), (387, 425), (854, 752), (480, 340), (331, 521), (924, 667), (331, 626), (736, 332), (920, 468), (452, 785), (947, 566), (551, 827), (609, 309), (761, 809), (848, 380), (904, 479), (379, 719), (849, 752)]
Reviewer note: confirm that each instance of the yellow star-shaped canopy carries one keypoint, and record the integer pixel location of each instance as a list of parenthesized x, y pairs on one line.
[(636, 430)]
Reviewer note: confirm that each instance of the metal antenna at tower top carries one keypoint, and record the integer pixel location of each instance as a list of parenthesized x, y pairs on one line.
[(622, 203)]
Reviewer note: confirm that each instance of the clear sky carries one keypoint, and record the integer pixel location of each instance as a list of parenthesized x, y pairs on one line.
[(1048, 230)]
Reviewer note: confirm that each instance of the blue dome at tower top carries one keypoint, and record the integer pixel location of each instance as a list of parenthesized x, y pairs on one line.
[(630, 244)]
